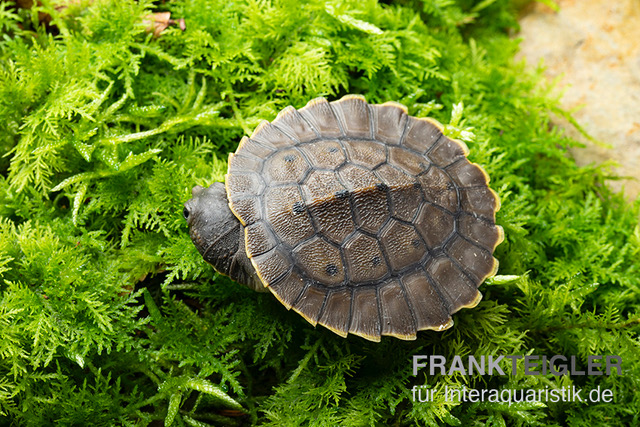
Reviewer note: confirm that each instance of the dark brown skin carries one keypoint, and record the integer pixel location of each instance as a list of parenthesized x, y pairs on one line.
[(218, 235)]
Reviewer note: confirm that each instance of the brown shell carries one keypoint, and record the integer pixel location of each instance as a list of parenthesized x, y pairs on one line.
[(364, 219)]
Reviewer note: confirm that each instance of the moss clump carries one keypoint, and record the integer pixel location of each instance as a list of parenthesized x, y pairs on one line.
[(109, 316)]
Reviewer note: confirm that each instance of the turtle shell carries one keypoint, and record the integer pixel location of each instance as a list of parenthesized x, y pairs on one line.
[(364, 219)]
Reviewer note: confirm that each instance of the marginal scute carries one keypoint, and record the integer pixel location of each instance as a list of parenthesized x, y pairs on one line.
[(421, 134), (288, 288), (353, 114), (467, 174), (248, 210), (447, 151), (389, 122), (310, 303), (428, 307), (480, 201), (291, 122), (397, 319), (474, 260), (253, 148), (453, 285), (480, 232), (336, 312), (365, 318), (244, 184), (320, 115), (272, 265), (242, 162), (270, 136)]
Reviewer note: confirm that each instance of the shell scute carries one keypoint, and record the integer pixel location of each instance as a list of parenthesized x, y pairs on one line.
[(396, 316), (291, 224), (336, 314), (286, 166), (365, 317), (353, 114), (291, 123), (389, 122), (428, 307)]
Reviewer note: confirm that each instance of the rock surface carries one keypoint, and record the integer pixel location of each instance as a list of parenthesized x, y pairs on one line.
[(593, 47)]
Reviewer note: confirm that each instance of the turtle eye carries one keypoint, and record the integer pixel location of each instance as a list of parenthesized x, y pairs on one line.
[(185, 212)]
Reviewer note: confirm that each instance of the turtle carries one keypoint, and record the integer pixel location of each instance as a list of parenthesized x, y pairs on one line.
[(358, 216)]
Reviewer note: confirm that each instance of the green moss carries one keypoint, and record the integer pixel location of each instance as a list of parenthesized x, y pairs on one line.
[(108, 315)]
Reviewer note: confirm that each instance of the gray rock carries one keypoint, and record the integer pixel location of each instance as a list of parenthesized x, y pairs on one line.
[(593, 48)]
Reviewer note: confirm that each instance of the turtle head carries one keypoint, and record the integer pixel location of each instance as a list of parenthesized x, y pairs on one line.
[(212, 226), (219, 235)]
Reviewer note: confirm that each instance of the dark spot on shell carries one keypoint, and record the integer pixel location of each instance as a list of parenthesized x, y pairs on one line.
[(333, 150), (289, 158), (298, 207), (382, 186), (331, 269), (375, 261), (416, 185), (415, 243), (342, 194)]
